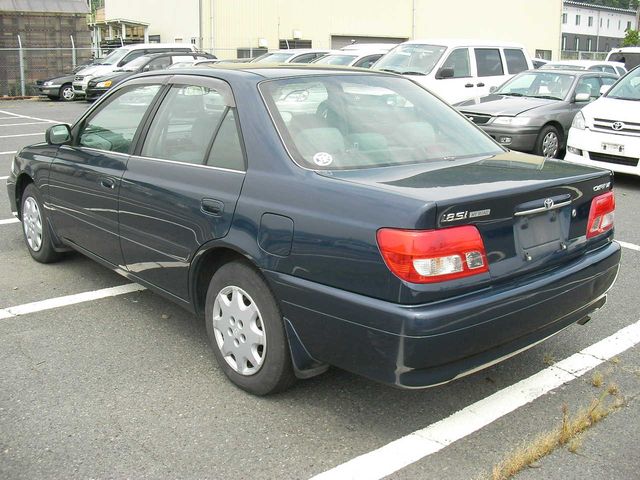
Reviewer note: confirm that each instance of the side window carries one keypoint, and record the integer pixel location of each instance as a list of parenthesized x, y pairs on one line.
[(489, 62), (516, 61), (113, 127), (226, 151), (459, 61), (157, 64), (608, 80), (620, 71), (589, 85), (131, 56), (367, 61), (306, 58), (609, 69), (184, 124)]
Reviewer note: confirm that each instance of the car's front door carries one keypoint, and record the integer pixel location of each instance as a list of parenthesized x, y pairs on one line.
[(462, 85), (84, 181), (182, 184)]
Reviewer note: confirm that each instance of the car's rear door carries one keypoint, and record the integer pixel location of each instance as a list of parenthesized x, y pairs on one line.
[(85, 176), (182, 184)]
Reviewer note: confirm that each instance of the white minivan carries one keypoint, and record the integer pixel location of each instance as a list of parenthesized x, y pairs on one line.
[(120, 57), (456, 70), (606, 133)]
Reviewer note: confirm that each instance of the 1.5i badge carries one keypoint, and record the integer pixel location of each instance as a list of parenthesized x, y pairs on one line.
[(464, 215)]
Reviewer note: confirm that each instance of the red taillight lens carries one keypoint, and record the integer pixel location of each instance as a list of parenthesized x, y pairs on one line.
[(601, 214), (427, 256)]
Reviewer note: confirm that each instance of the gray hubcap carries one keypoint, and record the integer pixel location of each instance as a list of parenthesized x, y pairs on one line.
[(68, 93), (32, 224), (239, 330), (550, 145)]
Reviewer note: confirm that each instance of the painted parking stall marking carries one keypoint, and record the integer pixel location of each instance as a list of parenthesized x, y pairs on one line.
[(8, 153), (69, 300), (4, 178), (8, 221), (22, 135), (630, 246), (427, 441), (16, 115)]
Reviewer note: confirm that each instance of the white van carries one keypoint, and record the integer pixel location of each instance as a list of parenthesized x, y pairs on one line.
[(606, 133), (456, 70), (630, 56), (120, 57)]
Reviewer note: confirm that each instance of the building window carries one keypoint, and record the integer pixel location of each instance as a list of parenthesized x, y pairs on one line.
[(250, 52), (591, 21), (294, 43), (564, 42), (154, 38), (608, 22), (628, 26), (600, 23), (619, 24), (589, 44), (564, 18), (577, 19), (546, 54)]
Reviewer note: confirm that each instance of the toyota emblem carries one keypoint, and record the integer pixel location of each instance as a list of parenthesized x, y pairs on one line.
[(548, 203), (617, 126)]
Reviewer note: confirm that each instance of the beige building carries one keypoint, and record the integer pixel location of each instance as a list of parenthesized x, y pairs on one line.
[(233, 28)]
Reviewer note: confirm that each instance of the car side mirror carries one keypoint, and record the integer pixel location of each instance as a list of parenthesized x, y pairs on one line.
[(445, 72), (58, 135), (604, 89), (582, 97), (493, 89)]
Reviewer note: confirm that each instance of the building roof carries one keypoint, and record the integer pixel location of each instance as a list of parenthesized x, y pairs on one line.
[(593, 6), (47, 6)]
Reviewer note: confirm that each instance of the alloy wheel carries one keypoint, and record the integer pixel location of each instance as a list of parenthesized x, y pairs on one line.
[(32, 224)]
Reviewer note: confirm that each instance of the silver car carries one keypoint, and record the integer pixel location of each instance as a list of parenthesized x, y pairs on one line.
[(533, 111)]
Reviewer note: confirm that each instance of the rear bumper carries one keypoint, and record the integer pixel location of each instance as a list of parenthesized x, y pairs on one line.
[(415, 346)]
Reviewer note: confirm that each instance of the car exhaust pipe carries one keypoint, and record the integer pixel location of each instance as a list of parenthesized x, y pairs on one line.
[(597, 306)]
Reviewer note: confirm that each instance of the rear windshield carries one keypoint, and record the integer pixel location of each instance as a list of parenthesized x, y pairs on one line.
[(341, 122), (411, 59), (630, 59), (627, 88), (273, 58)]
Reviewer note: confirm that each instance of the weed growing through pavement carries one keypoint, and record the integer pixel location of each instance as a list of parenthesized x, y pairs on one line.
[(597, 379), (567, 433)]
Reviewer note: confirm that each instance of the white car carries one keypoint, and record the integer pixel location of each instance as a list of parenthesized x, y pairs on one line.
[(456, 69), (615, 68), (293, 55), (630, 56), (606, 133), (120, 57)]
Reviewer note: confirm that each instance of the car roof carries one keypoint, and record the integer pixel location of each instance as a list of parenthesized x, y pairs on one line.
[(463, 42), (586, 63), (569, 71), (626, 50), (138, 46), (297, 51)]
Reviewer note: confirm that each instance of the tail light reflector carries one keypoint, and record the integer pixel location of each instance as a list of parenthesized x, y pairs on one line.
[(601, 214), (428, 256)]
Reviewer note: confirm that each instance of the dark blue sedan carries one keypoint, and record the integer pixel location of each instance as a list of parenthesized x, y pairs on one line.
[(317, 216)]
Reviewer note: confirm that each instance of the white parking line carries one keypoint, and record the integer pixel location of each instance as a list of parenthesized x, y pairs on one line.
[(68, 300), (8, 153), (4, 178), (18, 124), (422, 443), (21, 135), (630, 246), (27, 116), (8, 221)]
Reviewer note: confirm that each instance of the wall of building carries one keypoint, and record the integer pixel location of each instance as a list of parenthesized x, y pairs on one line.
[(173, 21), (241, 24)]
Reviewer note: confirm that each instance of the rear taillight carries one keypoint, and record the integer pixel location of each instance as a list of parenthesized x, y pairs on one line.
[(601, 214), (427, 256)]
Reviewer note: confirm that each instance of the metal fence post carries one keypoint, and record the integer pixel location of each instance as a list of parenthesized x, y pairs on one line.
[(73, 51), (21, 56)]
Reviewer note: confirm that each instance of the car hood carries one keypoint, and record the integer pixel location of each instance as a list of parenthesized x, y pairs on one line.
[(96, 70), (504, 105), (113, 76), (59, 79), (612, 109)]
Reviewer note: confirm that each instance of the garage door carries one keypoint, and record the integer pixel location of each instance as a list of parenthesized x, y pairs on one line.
[(339, 41)]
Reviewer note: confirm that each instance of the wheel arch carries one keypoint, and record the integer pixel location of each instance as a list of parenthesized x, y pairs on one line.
[(23, 180), (558, 126)]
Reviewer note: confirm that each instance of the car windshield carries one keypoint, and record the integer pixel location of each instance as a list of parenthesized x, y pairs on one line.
[(341, 122), (134, 65), (628, 88), (276, 57), (411, 58), (336, 59), (539, 84), (115, 56)]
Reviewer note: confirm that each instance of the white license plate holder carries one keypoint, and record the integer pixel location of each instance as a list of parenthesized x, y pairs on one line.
[(615, 148)]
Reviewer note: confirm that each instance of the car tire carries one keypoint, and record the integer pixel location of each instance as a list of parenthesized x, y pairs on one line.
[(246, 331), (35, 226), (548, 142), (53, 98), (67, 93)]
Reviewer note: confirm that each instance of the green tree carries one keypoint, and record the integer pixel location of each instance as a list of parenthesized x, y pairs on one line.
[(631, 39)]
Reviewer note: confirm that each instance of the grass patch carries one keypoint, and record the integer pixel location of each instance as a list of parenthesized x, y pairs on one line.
[(597, 379), (565, 434)]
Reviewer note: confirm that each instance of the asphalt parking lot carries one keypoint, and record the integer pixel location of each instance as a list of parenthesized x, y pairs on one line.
[(124, 385)]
